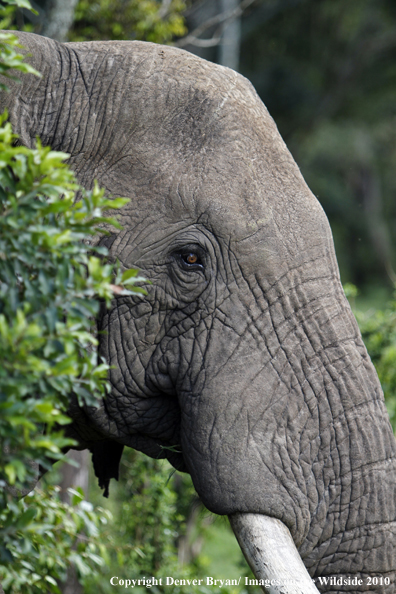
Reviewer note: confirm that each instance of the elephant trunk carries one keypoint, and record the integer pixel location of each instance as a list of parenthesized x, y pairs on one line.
[(303, 439), (271, 553)]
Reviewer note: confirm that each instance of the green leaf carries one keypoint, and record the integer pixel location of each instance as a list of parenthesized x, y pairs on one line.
[(50, 580), (21, 4), (131, 273), (50, 284), (26, 518), (10, 471), (78, 495)]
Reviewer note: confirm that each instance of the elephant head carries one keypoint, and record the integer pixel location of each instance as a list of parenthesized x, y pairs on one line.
[(243, 365)]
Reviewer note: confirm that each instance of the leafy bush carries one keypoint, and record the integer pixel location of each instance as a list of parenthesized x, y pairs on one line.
[(56, 535), (378, 328), (50, 282), (146, 20), (153, 510), (379, 334)]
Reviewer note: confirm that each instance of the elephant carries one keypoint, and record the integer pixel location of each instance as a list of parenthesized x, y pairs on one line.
[(243, 365)]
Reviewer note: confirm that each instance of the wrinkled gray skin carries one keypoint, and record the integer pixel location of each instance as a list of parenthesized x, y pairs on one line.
[(249, 362)]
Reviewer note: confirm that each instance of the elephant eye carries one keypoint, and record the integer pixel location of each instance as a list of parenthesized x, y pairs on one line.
[(191, 260)]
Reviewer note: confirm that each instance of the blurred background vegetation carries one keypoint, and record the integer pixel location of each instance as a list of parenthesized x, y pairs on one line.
[(326, 69)]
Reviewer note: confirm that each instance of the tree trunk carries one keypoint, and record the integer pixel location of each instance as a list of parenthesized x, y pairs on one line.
[(369, 190), (189, 549), (74, 477), (229, 48), (54, 18), (59, 19)]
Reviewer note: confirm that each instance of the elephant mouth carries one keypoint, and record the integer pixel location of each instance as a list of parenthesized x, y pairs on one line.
[(272, 555), (265, 541)]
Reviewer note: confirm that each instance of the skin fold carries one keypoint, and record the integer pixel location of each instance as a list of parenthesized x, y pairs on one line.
[(243, 365)]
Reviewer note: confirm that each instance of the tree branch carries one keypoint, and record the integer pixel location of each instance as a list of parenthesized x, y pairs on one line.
[(222, 19)]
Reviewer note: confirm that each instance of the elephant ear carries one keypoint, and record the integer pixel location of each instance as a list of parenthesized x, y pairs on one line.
[(106, 456)]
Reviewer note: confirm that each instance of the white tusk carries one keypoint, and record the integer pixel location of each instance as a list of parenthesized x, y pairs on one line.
[(272, 555)]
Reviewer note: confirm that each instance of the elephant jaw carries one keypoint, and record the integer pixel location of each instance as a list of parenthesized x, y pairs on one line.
[(272, 555)]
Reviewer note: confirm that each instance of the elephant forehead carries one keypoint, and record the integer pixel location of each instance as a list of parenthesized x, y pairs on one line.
[(149, 92), (256, 204), (253, 196), (268, 224), (150, 98), (242, 171), (192, 141), (268, 216)]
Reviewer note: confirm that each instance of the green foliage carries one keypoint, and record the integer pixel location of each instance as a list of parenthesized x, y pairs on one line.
[(50, 282), (20, 4), (145, 20), (378, 329), (154, 510), (45, 536), (142, 539), (148, 515), (10, 58)]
